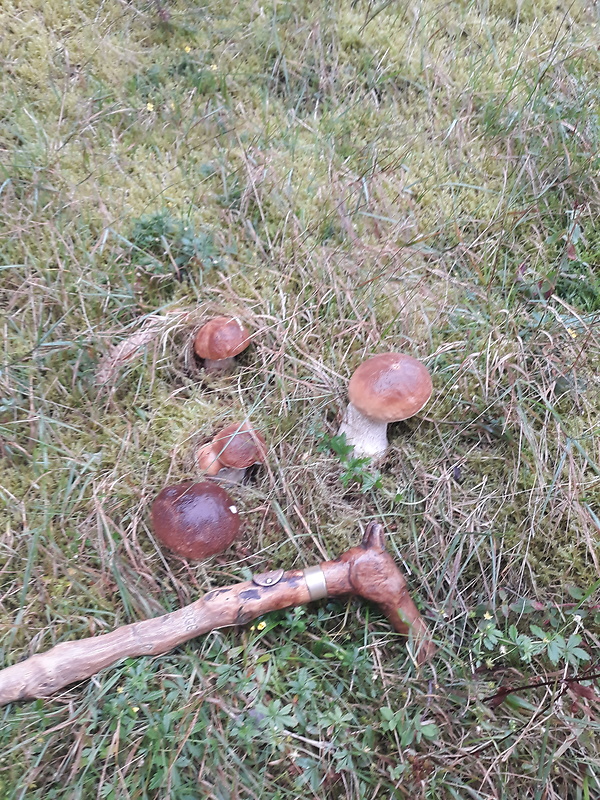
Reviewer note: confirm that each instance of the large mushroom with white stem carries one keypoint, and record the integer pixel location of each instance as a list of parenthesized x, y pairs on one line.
[(389, 387), (219, 341), (231, 452)]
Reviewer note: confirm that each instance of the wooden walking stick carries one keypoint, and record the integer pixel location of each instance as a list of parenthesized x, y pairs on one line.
[(367, 570)]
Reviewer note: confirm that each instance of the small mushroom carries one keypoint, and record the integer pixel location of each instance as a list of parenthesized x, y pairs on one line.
[(386, 388), (195, 520), (232, 451), (208, 460), (219, 341)]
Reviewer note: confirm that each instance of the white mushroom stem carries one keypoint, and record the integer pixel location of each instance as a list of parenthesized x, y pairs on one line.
[(219, 364), (231, 474), (367, 436)]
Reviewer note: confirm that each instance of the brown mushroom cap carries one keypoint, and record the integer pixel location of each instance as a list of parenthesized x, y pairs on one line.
[(390, 387), (220, 338), (208, 460), (239, 446), (195, 520)]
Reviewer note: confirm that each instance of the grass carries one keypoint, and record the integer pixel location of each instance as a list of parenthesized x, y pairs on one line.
[(348, 178)]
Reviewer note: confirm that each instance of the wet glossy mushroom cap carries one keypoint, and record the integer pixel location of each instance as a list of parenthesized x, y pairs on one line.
[(195, 520), (390, 387), (221, 338), (239, 446)]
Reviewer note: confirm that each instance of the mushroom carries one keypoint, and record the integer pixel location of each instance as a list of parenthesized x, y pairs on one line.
[(195, 520), (231, 452), (386, 388), (219, 341), (208, 460)]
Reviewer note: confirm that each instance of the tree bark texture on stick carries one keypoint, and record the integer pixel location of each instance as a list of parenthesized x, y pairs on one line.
[(367, 570)]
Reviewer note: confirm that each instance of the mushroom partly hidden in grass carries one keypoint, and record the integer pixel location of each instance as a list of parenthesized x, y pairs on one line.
[(195, 520), (219, 341), (389, 387), (231, 452)]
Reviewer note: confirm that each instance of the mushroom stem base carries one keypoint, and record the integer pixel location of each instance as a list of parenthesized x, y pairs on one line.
[(220, 365), (231, 474), (367, 436)]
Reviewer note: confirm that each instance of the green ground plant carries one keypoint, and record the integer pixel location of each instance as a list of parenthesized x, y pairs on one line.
[(347, 178)]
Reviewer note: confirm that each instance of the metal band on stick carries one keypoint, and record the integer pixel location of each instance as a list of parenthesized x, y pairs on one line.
[(315, 580)]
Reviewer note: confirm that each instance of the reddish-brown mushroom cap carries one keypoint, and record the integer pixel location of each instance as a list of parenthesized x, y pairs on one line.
[(208, 460), (221, 338), (390, 387), (239, 446), (195, 520)]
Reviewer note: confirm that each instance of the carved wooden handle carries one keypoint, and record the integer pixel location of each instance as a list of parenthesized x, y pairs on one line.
[(367, 570)]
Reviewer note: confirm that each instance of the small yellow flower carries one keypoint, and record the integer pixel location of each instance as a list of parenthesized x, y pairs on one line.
[(213, 68), (261, 626), (150, 106), (120, 690), (187, 48), (487, 615), (252, 627), (572, 333), (135, 709)]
